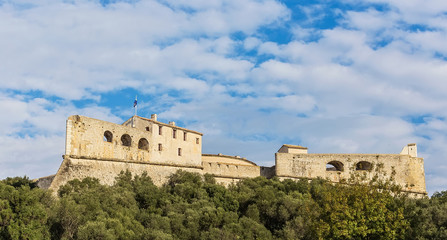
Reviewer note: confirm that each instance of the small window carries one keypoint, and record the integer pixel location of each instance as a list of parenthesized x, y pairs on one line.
[(184, 136), (126, 140), (108, 136), (143, 144), (174, 133), (160, 147), (160, 130), (363, 165), (180, 152), (334, 166), (197, 140), (148, 129)]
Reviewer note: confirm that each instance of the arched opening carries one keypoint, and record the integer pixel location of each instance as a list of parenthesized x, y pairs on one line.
[(143, 144), (363, 165), (334, 166), (108, 136), (126, 140)]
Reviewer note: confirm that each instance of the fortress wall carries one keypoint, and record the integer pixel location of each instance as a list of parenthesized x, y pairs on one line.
[(190, 142), (107, 170), (229, 169), (45, 182), (413, 174), (85, 139), (236, 160), (408, 171), (95, 148), (268, 172), (226, 181)]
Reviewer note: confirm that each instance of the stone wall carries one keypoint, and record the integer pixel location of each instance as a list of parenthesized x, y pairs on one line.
[(229, 169), (107, 170), (86, 139), (101, 149), (407, 171)]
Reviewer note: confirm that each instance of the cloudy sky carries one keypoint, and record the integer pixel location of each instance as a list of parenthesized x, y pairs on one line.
[(335, 76)]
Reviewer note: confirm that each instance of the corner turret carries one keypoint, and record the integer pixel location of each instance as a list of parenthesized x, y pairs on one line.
[(411, 149)]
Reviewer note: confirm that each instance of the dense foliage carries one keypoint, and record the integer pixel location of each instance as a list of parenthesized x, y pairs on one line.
[(190, 206)]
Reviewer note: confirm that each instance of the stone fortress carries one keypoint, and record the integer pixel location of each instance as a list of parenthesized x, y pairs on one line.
[(101, 149)]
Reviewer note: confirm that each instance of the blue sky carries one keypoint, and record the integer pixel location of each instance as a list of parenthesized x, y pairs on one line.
[(334, 76)]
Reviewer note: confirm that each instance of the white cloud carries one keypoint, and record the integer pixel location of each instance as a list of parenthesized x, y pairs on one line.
[(251, 43), (83, 45), (347, 88)]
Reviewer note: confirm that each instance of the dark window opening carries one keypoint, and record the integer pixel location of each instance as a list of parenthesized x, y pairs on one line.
[(184, 136), (148, 129), (174, 133), (334, 166), (180, 152), (108, 136), (160, 130), (197, 140), (143, 144), (126, 140), (363, 165), (160, 147)]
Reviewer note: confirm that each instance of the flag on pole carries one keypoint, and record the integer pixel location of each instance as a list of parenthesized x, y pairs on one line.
[(135, 105)]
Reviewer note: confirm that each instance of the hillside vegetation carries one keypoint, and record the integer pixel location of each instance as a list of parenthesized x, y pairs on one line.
[(191, 206)]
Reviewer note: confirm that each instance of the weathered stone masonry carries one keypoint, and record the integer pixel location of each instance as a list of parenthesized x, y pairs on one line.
[(101, 149)]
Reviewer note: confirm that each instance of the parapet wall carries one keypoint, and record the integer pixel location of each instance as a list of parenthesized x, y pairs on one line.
[(229, 169), (407, 171)]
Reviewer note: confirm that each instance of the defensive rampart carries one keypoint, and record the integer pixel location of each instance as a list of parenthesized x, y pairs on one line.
[(101, 149), (228, 169)]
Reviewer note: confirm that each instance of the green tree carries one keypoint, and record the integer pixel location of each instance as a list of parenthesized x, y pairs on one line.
[(23, 210)]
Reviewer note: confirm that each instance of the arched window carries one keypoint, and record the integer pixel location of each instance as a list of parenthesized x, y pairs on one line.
[(126, 140), (143, 144), (363, 165), (334, 166), (108, 136)]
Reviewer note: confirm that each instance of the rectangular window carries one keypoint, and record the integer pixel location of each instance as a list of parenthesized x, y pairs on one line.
[(197, 140), (160, 147), (184, 136), (180, 152), (174, 133), (160, 130), (147, 129)]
